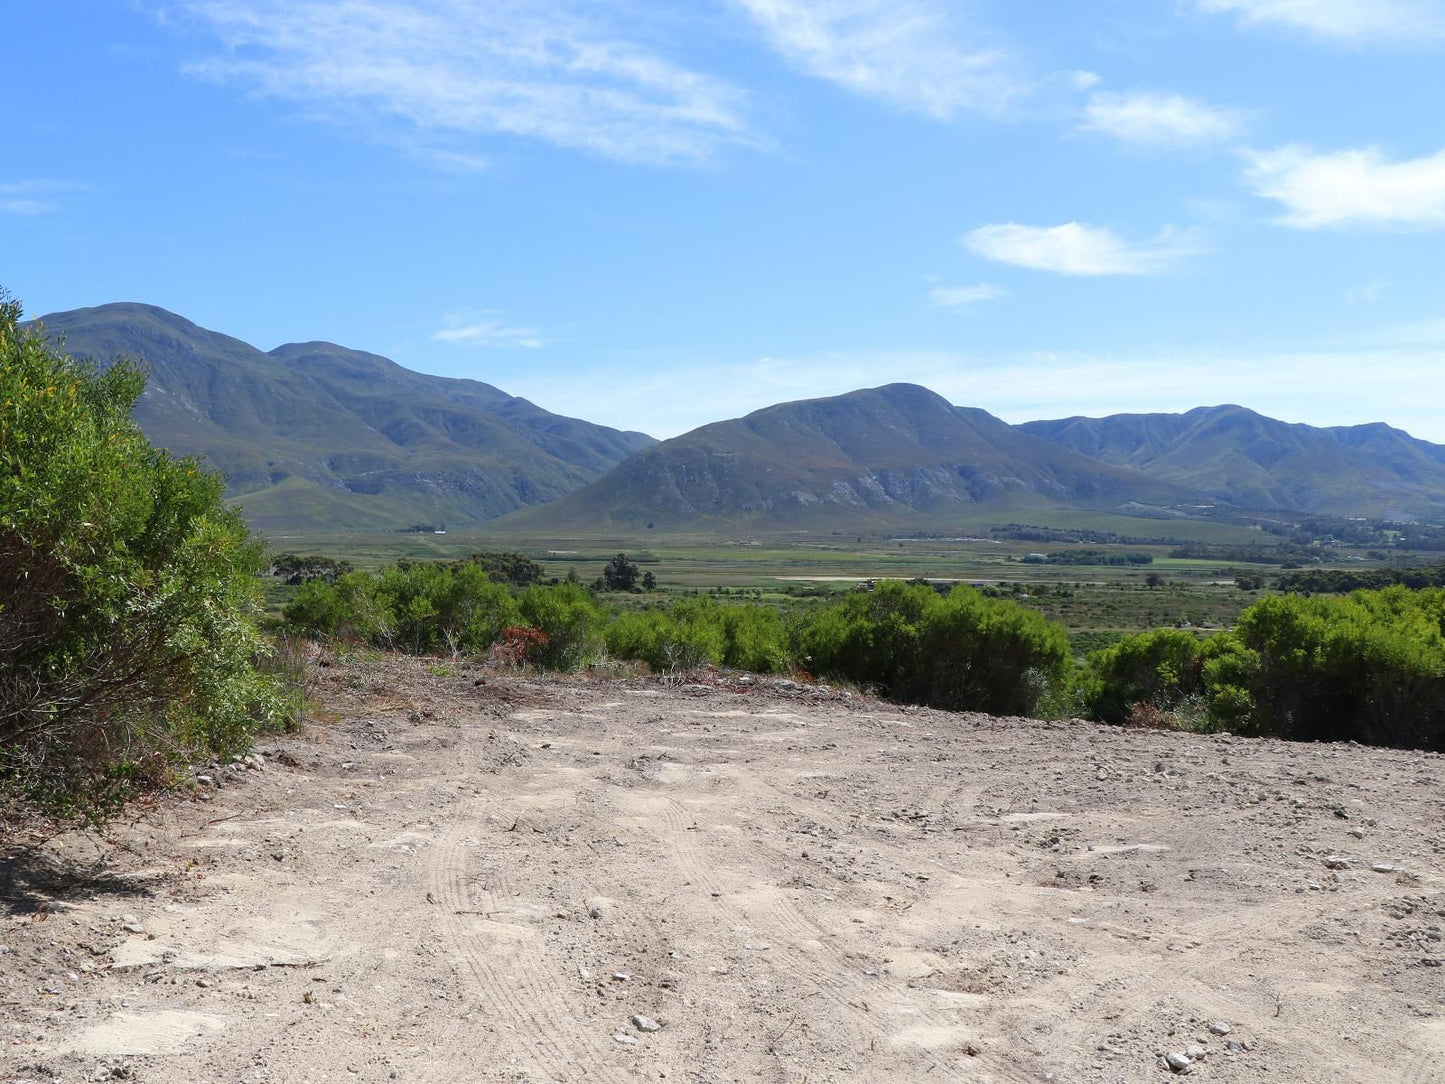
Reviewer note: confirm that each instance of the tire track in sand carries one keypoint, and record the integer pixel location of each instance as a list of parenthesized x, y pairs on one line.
[(522, 997)]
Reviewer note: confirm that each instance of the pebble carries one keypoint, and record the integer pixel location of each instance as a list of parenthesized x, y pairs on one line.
[(1219, 1027), (621, 976), (624, 1038), (132, 927), (1385, 867), (1334, 861), (646, 1023), (1179, 1061)]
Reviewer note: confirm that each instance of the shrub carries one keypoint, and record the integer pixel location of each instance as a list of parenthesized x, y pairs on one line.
[(698, 631), (128, 623), (1369, 668), (961, 651), (569, 618), (1154, 668)]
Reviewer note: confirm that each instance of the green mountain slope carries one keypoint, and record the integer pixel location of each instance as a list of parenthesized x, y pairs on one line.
[(883, 456), (313, 436), (1246, 459)]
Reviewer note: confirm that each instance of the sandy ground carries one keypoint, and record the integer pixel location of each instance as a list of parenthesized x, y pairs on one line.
[(521, 880)]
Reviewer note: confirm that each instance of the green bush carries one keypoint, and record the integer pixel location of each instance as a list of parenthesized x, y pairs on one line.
[(418, 607), (1157, 668), (128, 593), (961, 651), (699, 631), (1367, 668), (570, 619)]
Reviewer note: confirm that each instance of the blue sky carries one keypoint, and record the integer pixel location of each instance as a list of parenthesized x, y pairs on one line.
[(655, 215)]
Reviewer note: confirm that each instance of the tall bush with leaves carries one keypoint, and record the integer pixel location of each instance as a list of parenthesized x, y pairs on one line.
[(1367, 668), (961, 651), (697, 631), (127, 590)]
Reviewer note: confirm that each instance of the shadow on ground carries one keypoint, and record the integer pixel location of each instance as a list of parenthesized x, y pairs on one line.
[(32, 883)]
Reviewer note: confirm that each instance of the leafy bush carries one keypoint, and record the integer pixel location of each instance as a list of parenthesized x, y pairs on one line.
[(512, 568), (1368, 668), (960, 651), (420, 607), (1155, 668), (569, 618), (297, 568), (697, 631), (127, 626)]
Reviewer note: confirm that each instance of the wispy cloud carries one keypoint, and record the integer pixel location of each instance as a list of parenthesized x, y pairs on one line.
[(917, 55), (964, 297), (1160, 120), (1350, 188), (35, 197), (1342, 20), (450, 71), (1076, 248), (488, 329)]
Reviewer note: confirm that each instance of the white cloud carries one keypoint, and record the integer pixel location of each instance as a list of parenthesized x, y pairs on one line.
[(1344, 20), (1085, 80), (35, 197), (450, 71), (1079, 249), (488, 330), (913, 54), (1350, 188), (962, 297), (1158, 119)]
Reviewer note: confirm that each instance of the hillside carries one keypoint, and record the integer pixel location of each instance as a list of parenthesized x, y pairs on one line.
[(893, 455), (1246, 459), (314, 436)]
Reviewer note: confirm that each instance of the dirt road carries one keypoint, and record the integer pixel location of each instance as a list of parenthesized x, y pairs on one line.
[(538, 881)]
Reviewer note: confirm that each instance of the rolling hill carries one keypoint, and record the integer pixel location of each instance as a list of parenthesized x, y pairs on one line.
[(1246, 459), (886, 456), (314, 436)]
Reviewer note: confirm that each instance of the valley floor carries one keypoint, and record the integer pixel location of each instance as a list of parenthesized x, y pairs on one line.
[(519, 880)]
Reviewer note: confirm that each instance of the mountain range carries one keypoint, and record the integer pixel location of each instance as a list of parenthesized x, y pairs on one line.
[(877, 457), (318, 437), (1234, 455), (314, 436)]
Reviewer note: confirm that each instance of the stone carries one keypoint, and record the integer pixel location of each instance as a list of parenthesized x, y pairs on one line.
[(645, 1023), (1219, 1027), (625, 1039), (1179, 1061)]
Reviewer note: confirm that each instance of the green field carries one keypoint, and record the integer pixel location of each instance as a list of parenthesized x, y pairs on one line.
[(1097, 603)]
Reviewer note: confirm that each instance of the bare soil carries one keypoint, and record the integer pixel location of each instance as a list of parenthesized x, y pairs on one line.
[(516, 880)]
